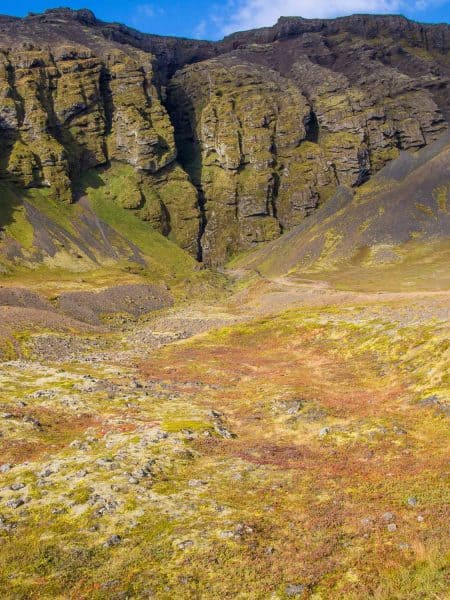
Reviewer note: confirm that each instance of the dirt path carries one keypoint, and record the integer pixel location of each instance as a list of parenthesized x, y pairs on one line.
[(271, 296)]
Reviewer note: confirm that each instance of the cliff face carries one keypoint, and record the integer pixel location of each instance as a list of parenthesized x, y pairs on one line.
[(66, 108), (236, 123), (406, 205), (232, 143), (287, 114)]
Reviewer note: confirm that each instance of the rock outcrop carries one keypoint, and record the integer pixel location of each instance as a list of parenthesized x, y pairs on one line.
[(231, 143), (240, 133), (65, 111), (405, 204)]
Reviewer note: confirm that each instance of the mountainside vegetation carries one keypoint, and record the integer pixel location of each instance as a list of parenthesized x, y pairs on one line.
[(231, 143)]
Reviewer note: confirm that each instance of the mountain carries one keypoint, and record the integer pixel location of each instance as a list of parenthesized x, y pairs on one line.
[(404, 205), (218, 146), (275, 426)]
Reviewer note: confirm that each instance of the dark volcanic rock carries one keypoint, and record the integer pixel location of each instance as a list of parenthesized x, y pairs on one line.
[(135, 300)]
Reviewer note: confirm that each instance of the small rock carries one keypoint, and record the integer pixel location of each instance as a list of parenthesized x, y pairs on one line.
[(388, 516), (196, 483), (15, 502), (392, 527), (43, 394), (404, 546), (114, 540), (242, 529), (7, 415), (59, 511), (186, 544), (16, 486), (294, 407), (103, 462), (110, 584), (412, 501), (295, 589), (5, 468), (4, 525), (215, 414), (420, 519), (35, 422), (324, 431), (46, 472), (223, 431), (76, 444), (400, 431)]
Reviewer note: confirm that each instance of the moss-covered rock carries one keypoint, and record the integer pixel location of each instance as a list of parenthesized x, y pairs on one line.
[(266, 124), (67, 110), (238, 125)]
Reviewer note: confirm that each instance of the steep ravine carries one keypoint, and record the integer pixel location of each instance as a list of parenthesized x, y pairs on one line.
[(227, 144)]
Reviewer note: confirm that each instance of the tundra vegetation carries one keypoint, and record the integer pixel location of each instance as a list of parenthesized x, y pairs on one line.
[(224, 296)]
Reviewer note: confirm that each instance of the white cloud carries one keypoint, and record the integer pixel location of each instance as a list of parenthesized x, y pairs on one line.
[(145, 10), (200, 30), (144, 13), (249, 14)]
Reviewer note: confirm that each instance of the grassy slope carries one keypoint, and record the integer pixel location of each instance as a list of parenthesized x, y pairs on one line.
[(164, 258), (12, 215), (420, 267), (70, 267)]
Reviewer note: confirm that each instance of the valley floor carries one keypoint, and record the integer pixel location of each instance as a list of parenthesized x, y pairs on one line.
[(290, 441)]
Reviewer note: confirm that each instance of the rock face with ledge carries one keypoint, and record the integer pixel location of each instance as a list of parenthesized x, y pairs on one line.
[(64, 111), (231, 142)]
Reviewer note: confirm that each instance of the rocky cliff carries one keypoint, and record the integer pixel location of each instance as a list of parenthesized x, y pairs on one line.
[(404, 207), (231, 143)]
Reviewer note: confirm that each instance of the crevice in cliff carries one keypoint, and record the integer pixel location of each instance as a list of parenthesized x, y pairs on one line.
[(192, 166), (202, 223), (106, 97), (312, 128), (188, 156), (273, 197)]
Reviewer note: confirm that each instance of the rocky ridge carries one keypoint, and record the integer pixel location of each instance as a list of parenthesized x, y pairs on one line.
[(232, 142)]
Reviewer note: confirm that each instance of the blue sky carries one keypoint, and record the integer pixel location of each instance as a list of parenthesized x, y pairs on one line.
[(214, 19)]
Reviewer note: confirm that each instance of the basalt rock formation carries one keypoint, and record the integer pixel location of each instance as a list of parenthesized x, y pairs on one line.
[(407, 202), (231, 143)]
